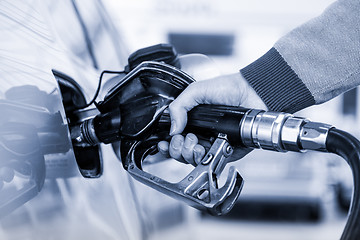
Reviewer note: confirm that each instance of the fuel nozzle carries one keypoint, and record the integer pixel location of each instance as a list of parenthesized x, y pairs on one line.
[(244, 127), (255, 128)]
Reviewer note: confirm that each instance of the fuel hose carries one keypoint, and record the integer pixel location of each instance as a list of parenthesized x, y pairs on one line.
[(348, 147)]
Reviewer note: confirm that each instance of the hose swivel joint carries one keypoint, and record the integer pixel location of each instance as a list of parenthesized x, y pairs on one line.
[(280, 131)]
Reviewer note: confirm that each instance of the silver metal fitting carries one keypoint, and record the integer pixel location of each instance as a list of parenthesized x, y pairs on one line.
[(246, 126), (260, 129), (313, 136), (267, 130), (83, 135), (280, 131), (88, 132), (290, 133)]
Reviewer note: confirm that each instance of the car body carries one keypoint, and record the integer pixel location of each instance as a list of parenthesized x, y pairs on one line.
[(42, 193)]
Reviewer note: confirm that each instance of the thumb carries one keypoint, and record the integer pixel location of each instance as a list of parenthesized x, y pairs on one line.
[(186, 101), (178, 120)]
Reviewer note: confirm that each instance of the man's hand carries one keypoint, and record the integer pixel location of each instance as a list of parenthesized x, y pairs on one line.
[(232, 90)]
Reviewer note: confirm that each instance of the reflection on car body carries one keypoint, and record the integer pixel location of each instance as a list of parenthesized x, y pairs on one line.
[(42, 193)]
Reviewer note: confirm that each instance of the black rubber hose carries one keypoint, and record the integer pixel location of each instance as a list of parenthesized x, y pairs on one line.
[(348, 147)]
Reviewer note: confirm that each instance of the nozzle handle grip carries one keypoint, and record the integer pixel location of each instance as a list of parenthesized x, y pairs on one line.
[(209, 120)]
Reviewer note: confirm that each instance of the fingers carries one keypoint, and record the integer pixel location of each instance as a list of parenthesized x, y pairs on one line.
[(188, 148), (163, 148), (183, 149)]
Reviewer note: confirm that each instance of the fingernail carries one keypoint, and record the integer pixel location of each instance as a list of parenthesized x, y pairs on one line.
[(189, 141), (177, 144), (173, 127), (160, 149)]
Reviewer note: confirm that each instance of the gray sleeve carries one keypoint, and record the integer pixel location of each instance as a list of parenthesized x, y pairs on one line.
[(313, 63)]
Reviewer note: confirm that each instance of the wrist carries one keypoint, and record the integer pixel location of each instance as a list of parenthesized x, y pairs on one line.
[(277, 84), (250, 98)]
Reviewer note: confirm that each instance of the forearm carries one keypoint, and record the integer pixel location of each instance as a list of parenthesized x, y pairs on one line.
[(313, 63)]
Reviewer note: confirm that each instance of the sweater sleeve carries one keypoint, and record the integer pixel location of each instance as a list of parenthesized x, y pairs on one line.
[(313, 63)]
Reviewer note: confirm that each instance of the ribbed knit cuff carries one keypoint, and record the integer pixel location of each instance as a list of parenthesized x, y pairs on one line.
[(277, 84)]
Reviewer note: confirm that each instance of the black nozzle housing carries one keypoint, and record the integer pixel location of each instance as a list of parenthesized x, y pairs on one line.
[(162, 52), (210, 120)]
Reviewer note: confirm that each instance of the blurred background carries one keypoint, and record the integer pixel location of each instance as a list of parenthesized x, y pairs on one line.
[(285, 196)]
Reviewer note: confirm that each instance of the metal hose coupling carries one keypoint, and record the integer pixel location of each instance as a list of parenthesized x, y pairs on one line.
[(103, 128), (280, 131)]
